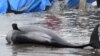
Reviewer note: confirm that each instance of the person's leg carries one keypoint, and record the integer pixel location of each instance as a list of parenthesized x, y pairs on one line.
[(98, 3)]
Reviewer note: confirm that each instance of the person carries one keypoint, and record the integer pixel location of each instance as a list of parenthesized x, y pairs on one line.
[(98, 3)]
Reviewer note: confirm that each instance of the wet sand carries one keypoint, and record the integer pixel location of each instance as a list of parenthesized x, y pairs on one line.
[(69, 27)]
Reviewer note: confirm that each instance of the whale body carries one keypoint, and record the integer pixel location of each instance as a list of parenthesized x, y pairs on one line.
[(40, 35)]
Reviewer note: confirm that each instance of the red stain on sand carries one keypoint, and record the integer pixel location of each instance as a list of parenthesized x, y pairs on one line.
[(53, 22)]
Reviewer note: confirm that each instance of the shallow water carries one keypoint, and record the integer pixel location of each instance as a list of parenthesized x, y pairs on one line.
[(68, 26)]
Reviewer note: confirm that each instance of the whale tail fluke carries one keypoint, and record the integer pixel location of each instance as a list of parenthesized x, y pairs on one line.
[(94, 36), (94, 39)]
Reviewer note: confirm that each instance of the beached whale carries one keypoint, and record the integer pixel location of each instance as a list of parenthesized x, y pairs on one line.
[(39, 35)]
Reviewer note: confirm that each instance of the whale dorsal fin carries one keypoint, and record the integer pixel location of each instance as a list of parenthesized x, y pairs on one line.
[(15, 27), (94, 36)]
